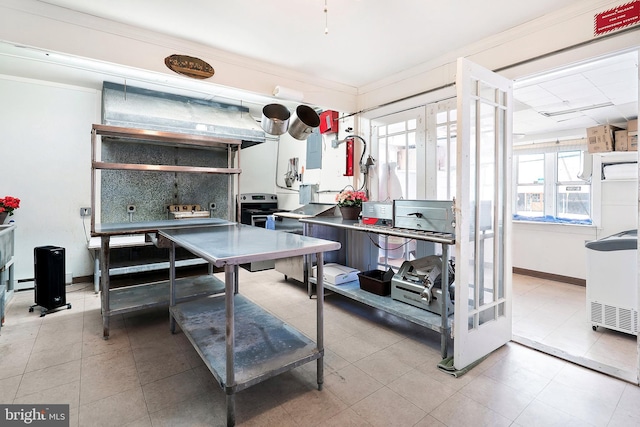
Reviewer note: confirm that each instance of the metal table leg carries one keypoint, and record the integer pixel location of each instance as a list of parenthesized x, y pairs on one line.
[(320, 319), (444, 286), (104, 280), (307, 262), (96, 271), (230, 275), (172, 285)]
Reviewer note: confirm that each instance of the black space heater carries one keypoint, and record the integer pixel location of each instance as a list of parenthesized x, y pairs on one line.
[(49, 270)]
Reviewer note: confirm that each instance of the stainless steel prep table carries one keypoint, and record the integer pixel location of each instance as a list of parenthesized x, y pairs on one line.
[(263, 345), (438, 323), (132, 298)]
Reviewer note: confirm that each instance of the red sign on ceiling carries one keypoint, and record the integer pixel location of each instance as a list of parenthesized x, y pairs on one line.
[(616, 18)]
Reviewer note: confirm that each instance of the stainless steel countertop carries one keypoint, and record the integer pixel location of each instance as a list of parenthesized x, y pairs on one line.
[(339, 222), (151, 226), (235, 243)]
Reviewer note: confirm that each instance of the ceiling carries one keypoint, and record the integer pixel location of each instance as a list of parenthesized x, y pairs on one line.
[(366, 41)]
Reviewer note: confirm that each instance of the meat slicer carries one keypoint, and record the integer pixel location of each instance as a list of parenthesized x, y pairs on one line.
[(418, 283)]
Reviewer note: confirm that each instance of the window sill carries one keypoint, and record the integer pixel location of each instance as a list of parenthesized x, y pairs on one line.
[(552, 220)]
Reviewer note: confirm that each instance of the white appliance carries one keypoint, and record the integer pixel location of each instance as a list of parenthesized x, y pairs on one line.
[(612, 282), (337, 274)]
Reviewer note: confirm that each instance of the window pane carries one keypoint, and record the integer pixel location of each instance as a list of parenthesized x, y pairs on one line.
[(569, 165), (530, 188), (396, 127), (573, 201), (531, 169)]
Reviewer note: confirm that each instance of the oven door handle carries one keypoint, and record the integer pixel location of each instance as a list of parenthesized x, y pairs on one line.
[(259, 219)]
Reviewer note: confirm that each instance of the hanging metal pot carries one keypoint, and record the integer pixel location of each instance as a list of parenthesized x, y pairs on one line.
[(305, 119), (275, 119)]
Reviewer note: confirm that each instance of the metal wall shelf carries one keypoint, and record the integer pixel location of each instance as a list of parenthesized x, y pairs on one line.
[(144, 296)]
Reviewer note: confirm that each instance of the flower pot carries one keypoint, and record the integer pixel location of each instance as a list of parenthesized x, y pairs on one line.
[(350, 212), (3, 217)]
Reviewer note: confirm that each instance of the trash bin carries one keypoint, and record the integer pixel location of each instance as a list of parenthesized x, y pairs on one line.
[(612, 282)]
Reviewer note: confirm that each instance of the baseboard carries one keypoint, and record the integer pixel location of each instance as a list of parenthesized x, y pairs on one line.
[(550, 276)]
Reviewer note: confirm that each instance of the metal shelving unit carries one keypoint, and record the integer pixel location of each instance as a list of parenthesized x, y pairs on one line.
[(438, 323), (143, 296)]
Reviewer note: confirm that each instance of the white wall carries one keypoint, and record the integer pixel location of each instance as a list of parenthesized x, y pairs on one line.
[(559, 248), (45, 140), (264, 167), (37, 24)]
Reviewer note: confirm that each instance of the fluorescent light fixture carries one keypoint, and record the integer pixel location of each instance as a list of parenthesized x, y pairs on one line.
[(575, 110)]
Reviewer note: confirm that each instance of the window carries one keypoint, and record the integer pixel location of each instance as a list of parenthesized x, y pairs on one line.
[(573, 196), (398, 161), (446, 123), (530, 187), (548, 187)]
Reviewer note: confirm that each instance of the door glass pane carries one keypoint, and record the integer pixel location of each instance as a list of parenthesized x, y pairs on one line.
[(503, 211), (473, 279), (484, 210), (487, 315)]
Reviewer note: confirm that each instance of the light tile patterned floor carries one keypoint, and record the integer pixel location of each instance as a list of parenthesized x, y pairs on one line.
[(379, 371), (555, 315)]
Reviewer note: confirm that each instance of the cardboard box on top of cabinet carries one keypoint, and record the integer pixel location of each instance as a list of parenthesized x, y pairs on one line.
[(632, 141), (600, 138), (622, 140), (627, 140), (632, 137)]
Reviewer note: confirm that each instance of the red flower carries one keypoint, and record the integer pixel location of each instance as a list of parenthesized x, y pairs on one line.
[(8, 204), (351, 198)]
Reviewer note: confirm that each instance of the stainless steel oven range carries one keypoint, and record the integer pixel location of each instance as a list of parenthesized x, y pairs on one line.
[(254, 210)]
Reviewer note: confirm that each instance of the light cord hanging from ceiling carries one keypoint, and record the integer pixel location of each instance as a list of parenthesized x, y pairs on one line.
[(326, 18)]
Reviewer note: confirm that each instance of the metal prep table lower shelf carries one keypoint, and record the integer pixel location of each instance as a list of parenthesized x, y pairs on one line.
[(265, 346), (128, 267), (439, 323), (138, 297), (408, 312), (105, 232)]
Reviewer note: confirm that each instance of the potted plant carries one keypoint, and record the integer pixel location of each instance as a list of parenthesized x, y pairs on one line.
[(7, 205), (350, 203)]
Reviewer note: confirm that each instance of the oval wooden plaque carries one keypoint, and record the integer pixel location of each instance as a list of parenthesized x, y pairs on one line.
[(189, 66)]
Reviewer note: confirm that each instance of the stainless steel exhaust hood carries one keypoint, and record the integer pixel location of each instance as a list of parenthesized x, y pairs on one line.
[(134, 107)]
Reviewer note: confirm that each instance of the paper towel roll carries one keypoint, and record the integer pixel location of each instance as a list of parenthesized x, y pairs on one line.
[(286, 93)]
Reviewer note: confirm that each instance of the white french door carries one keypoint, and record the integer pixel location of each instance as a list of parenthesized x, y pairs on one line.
[(482, 318)]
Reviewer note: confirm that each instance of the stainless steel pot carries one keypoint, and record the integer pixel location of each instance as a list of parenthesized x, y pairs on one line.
[(305, 119), (275, 119)]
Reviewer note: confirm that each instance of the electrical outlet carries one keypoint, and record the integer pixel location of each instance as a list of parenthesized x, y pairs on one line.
[(131, 208), (85, 212)]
